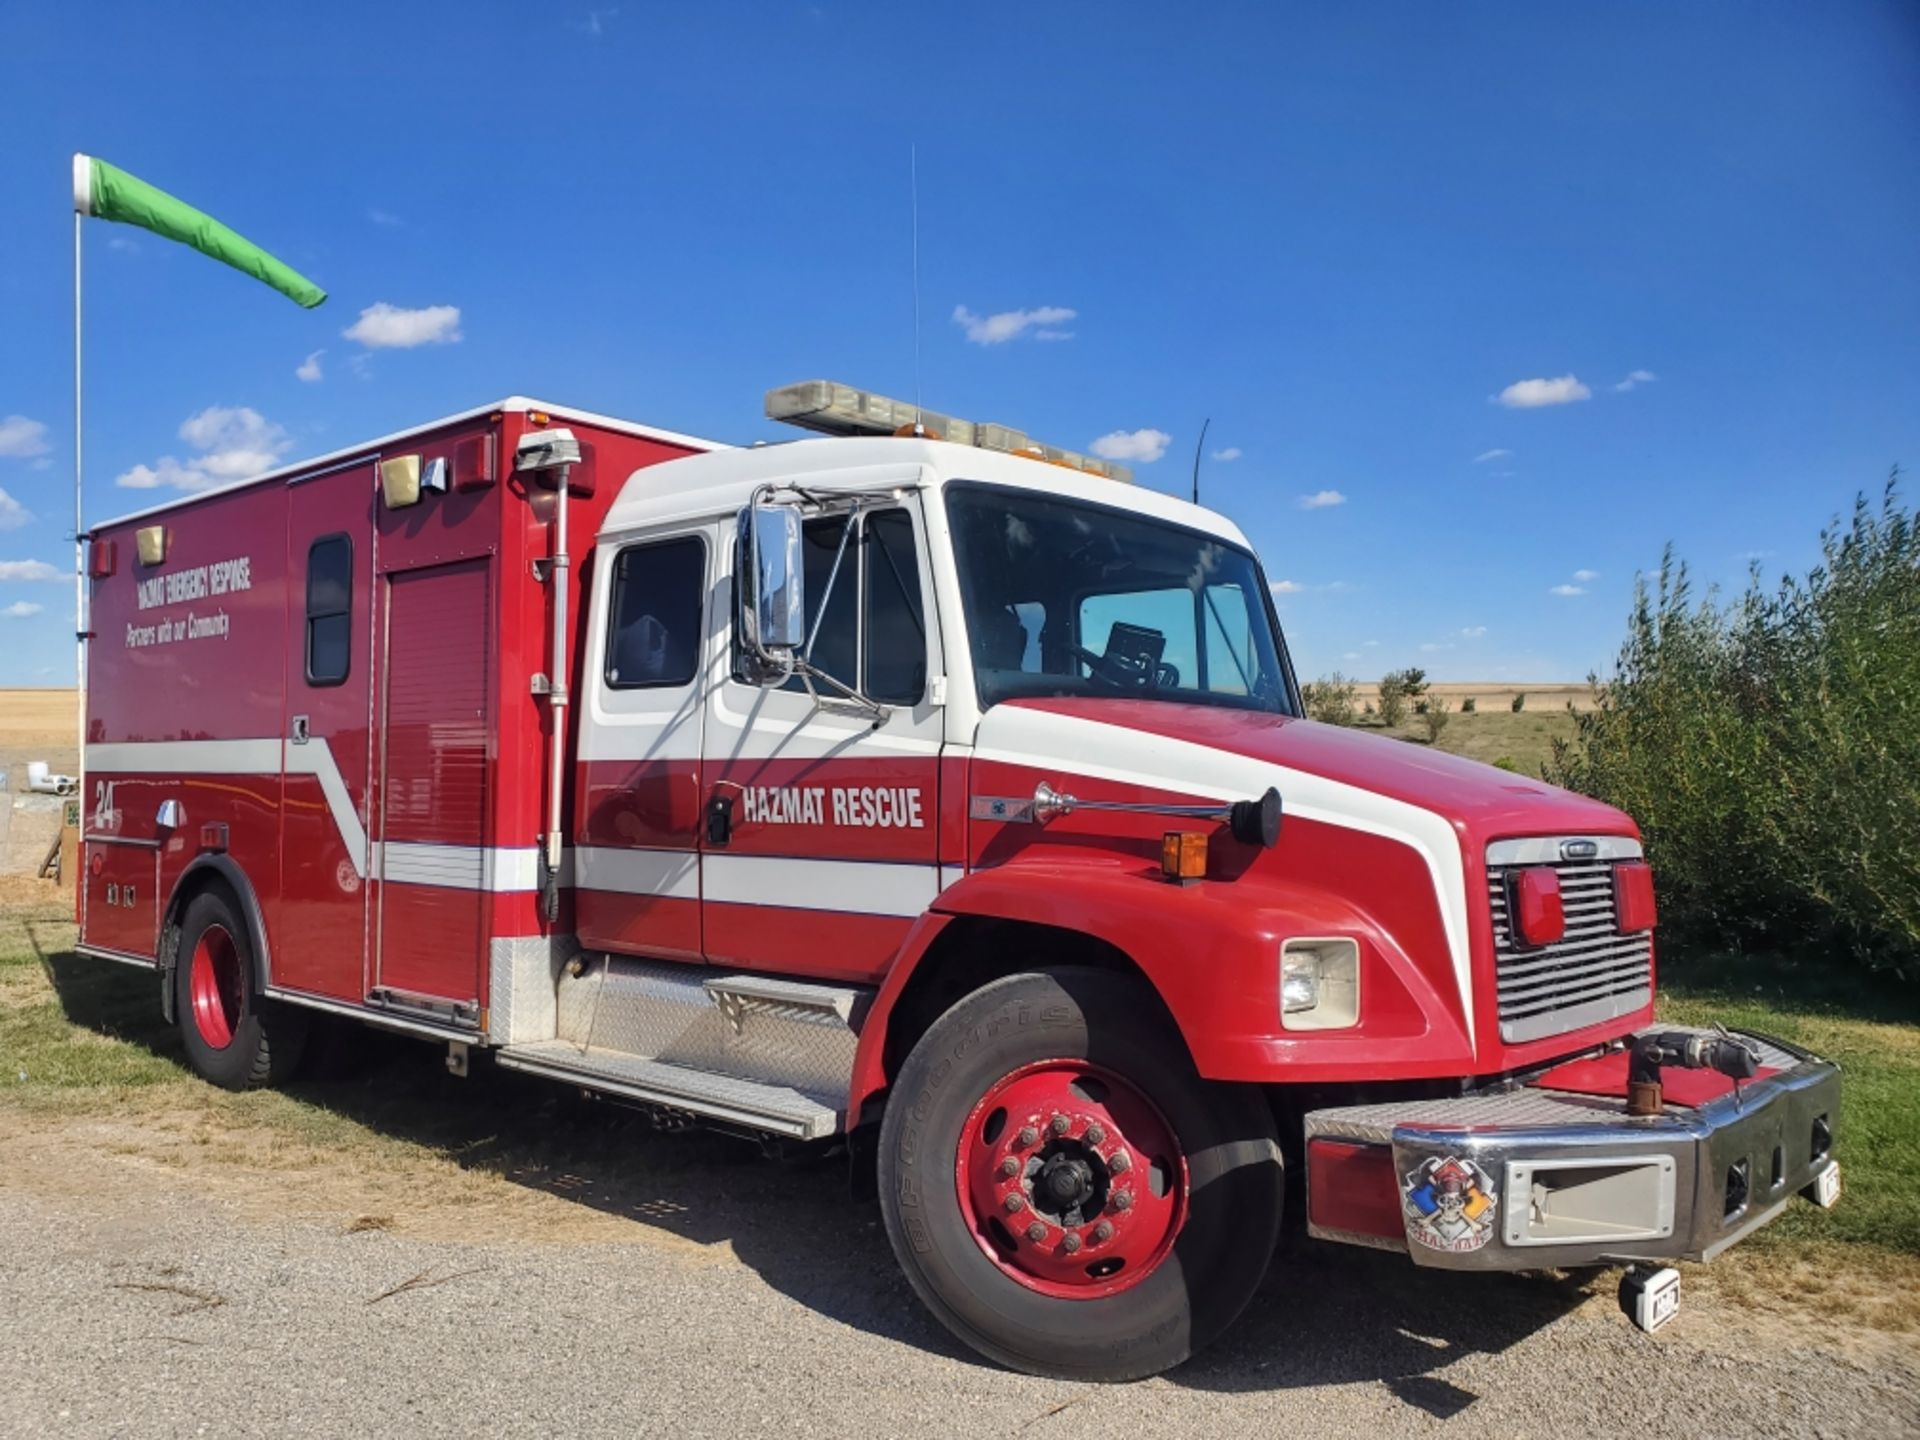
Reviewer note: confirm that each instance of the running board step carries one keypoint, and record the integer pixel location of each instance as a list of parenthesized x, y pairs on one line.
[(695, 1034), (780, 1110)]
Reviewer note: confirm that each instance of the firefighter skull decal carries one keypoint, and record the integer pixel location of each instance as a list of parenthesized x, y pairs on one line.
[(1450, 1204)]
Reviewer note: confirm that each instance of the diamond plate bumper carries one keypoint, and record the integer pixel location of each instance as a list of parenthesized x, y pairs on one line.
[(1530, 1179)]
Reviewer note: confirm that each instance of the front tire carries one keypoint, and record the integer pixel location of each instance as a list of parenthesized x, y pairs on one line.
[(1064, 1191), (234, 1037)]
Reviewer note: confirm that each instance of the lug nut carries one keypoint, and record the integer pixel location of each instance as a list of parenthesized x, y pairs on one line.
[(1059, 1124), (1029, 1136), (1103, 1231), (1120, 1163), (1036, 1231), (1096, 1133), (1123, 1199), (1009, 1167), (1016, 1203), (1071, 1243)]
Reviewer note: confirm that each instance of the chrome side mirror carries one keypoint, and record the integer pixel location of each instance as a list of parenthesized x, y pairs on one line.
[(779, 608)]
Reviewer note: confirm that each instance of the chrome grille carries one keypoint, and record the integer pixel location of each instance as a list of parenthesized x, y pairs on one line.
[(1593, 974)]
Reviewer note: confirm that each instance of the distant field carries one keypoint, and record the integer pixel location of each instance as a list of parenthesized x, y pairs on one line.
[(1494, 694), (37, 719)]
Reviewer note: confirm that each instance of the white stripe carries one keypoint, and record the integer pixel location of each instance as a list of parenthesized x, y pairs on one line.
[(459, 867), (1044, 741), (243, 757), (860, 887), (672, 873), (83, 184)]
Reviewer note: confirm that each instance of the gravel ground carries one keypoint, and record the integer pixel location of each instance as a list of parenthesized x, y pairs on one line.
[(144, 1303)]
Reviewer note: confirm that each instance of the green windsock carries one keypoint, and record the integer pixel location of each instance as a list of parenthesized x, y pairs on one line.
[(107, 193)]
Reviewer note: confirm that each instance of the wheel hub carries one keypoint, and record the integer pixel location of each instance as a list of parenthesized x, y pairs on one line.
[(1085, 1168)]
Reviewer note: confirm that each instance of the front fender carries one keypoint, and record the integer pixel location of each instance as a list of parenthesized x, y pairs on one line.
[(1211, 951)]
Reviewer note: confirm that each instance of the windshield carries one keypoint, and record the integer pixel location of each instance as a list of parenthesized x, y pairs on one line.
[(1067, 598)]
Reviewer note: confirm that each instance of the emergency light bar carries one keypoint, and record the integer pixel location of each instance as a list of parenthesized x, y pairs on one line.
[(834, 409)]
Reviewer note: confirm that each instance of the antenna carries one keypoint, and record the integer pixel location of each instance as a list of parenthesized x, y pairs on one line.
[(1196, 458), (913, 171)]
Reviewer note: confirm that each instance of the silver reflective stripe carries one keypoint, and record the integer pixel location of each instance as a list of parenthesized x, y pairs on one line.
[(795, 882), (460, 867)]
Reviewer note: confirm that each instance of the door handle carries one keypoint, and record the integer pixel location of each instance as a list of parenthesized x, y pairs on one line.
[(719, 819), (299, 732)]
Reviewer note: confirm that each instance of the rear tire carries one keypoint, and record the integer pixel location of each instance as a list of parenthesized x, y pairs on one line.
[(1036, 1304), (234, 1036)]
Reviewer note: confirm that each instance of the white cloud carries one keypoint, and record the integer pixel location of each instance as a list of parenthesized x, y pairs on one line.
[(1232, 452), (1567, 590), (385, 219), (1144, 446), (1370, 644), (1585, 575), (1486, 455), (309, 368), (235, 443), (1532, 394), (21, 609), (123, 243), (31, 570), (1321, 500), (21, 437), (1433, 647), (1635, 378), (1351, 655), (391, 327), (997, 329), (1473, 632), (1285, 587), (12, 513), (595, 23)]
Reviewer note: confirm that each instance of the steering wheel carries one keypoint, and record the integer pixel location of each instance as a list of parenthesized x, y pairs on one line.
[(1124, 672)]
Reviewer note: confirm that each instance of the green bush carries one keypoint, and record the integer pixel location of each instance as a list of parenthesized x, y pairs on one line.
[(1519, 702), (1434, 712), (1770, 747), (1506, 762), (1468, 704), (1330, 699), (1398, 690)]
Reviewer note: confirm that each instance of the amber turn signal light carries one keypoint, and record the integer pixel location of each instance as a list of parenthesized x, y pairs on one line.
[(1183, 855)]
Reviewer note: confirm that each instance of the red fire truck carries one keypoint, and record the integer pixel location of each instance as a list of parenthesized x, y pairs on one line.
[(919, 789)]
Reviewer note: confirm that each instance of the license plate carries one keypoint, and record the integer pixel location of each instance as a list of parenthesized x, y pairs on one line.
[(1826, 1187), (1662, 1301)]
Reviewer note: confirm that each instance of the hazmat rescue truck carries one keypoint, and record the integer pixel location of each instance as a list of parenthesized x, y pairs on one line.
[(916, 789)]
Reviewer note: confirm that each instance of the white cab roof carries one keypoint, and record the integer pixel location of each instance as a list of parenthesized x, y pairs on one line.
[(699, 487)]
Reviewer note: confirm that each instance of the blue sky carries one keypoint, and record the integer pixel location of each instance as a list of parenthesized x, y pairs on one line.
[(1342, 232)]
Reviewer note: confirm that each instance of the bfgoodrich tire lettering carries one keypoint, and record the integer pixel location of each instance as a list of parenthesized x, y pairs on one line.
[(1226, 1133), (234, 1037)]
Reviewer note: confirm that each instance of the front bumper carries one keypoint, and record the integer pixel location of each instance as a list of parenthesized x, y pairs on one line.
[(1528, 1178)]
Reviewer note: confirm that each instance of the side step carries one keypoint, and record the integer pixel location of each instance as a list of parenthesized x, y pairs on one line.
[(759, 1051), (779, 1110)]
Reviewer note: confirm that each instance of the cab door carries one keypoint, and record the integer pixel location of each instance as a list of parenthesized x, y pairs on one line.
[(821, 837)]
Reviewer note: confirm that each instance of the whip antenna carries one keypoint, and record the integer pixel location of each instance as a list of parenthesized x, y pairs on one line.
[(913, 173)]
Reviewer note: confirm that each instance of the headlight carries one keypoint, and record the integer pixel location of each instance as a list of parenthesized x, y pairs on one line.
[(1319, 984)]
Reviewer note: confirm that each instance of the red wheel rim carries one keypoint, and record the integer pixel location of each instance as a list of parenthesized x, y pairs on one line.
[(1071, 1180), (214, 985)]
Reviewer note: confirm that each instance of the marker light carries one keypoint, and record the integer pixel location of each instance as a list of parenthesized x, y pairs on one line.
[(834, 409), (1533, 906), (1183, 855), (1633, 907)]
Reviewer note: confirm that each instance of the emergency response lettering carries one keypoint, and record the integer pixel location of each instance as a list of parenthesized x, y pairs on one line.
[(883, 807), (222, 577)]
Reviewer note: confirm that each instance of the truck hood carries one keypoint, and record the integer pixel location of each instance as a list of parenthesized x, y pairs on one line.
[(1477, 800)]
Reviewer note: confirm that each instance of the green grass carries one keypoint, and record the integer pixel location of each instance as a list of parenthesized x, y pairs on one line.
[(1525, 739), (1873, 1035)]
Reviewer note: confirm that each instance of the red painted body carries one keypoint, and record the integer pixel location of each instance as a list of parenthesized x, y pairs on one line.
[(435, 734)]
